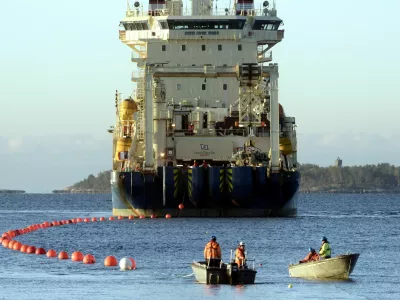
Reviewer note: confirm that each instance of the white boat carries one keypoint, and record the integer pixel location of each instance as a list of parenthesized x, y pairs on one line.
[(339, 267)]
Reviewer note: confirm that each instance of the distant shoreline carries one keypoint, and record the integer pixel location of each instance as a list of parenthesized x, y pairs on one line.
[(349, 191), (12, 192), (303, 191)]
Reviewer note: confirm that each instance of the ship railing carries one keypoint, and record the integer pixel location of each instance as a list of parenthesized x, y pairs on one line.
[(137, 76), (261, 132), (210, 34), (262, 36), (132, 13)]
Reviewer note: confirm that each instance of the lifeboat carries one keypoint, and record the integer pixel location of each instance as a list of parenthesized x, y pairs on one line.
[(123, 145), (285, 146), (126, 110)]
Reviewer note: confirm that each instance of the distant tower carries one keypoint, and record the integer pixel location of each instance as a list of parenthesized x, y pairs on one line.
[(338, 162)]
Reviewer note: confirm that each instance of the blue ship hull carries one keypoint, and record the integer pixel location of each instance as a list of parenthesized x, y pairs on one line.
[(206, 192)]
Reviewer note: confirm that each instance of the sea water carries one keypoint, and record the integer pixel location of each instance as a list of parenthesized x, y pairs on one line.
[(164, 249)]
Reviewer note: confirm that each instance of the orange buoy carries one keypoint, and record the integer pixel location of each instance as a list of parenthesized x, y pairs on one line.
[(11, 244), (11, 233), (77, 256), (133, 263), (17, 246), (86, 220), (110, 261), (63, 255), (168, 216), (120, 217), (153, 216), (102, 219), (51, 253), (94, 219), (111, 218), (6, 235), (40, 251), (89, 259), (131, 217), (31, 250), (181, 206), (5, 243), (24, 248), (142, 217), (79, 220)]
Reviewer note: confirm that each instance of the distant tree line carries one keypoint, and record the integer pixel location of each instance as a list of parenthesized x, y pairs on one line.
[(313, 178), (368, 177), (100, 183)]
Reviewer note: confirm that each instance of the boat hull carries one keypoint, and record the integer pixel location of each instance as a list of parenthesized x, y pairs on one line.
[(226, 274), (205, 192), (339, 267)]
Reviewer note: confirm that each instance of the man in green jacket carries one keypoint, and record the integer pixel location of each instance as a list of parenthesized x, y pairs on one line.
[(325, 250)]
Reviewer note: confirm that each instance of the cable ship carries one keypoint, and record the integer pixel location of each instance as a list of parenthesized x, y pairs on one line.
[(203, 133)]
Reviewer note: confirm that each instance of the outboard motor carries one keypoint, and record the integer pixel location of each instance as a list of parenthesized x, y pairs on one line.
[(233, 273)]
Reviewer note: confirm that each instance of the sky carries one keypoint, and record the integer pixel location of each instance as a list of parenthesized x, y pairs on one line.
[(61, 62)]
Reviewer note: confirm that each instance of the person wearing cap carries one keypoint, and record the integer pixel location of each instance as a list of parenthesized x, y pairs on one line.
[(325, 250), (212, 252), (311, 256), (240, 255)]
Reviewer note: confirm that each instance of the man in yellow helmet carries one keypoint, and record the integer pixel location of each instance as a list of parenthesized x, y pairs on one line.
[(325, 250)]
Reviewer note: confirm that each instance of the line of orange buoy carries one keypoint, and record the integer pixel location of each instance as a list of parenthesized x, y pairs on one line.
[(7, 241)]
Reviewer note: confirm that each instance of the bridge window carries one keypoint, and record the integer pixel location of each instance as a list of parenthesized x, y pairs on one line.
[(266, 25), (136, 25), (239, 47), (203, 47), (206, 24), (163, 24), (163, 47), (203, 86), (224, 86), (183, 47), (219, 47), (178, 86)]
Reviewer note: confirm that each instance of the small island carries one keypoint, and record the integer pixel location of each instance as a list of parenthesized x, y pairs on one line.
[(381, 178), (12, 192)]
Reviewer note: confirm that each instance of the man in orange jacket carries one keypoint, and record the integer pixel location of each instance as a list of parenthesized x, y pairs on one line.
[(240, 255), (212, 252), (311, 256)]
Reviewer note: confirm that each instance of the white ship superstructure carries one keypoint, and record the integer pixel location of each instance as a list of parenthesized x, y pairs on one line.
[(206, 89)]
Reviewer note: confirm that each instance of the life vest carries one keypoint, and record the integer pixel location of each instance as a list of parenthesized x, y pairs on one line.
[(325, 250), (212, 250), (239, 257)]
